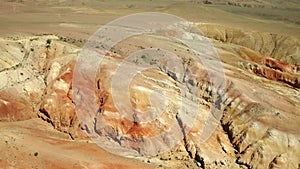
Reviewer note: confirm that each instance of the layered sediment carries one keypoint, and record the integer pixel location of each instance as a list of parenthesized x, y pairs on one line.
[(255, 114)]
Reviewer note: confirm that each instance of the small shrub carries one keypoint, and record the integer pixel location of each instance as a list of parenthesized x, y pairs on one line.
[(48, 41), (36, 154), (152, 62)]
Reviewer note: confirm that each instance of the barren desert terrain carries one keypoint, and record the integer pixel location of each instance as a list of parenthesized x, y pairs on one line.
[(238, 106)]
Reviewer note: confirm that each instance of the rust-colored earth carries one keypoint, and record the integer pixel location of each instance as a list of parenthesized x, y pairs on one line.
[(257, 44)]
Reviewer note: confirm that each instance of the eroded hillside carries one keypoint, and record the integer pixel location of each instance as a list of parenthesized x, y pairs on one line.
[(260, 102)]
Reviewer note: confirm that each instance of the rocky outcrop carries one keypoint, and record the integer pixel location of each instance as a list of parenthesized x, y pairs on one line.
[(57, 106), (257, 126), (22, 66), (276, 70), (251, 130), (258, 115), (36, 73)]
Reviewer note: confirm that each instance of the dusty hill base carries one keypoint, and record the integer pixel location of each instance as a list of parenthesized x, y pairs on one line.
[(35, 144)]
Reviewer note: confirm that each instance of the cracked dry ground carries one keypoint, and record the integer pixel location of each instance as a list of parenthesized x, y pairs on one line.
[(260, 104)]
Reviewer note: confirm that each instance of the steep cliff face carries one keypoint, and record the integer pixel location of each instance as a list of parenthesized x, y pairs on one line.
[(256, 111), (276, 70), (57, 106)]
